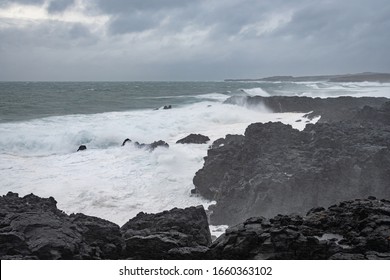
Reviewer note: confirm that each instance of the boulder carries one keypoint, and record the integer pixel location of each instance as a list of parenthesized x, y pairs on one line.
[(170, 234), (194, 139)]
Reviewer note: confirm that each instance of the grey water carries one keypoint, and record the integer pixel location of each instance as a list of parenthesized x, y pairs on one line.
[(21, 101)]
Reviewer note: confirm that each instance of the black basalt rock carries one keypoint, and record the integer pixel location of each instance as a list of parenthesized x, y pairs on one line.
[(82, 148), (127, 140), (194, 139)]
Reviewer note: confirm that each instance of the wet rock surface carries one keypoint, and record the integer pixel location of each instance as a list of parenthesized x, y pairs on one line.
[(356, 229)]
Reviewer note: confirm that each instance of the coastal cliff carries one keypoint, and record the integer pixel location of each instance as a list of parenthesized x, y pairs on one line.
[(275, 169)]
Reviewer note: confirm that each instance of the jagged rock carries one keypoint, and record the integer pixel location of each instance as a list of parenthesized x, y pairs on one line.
[(336, 233), (82, 148), (125, 141), (194, 139), (277, 169), (330, 109), (170, 234), (33, 227)]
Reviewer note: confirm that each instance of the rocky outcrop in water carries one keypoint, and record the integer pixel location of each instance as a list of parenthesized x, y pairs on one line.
[(150, 147), (174, 234), (194, 139), (276, 169), (81, 148), (358, 229), (330, 109)]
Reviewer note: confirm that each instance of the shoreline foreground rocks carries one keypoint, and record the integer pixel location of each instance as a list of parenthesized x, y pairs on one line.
[(33, 228)]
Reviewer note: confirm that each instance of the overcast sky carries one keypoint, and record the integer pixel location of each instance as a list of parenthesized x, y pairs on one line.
[(128, 40)]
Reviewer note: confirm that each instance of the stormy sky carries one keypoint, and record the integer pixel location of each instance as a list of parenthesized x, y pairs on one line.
[(125, 40)]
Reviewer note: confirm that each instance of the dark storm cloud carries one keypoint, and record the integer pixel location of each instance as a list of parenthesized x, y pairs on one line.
[(204, 39)]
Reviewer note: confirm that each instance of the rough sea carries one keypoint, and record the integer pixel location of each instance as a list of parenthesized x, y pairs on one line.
[(43, 123)]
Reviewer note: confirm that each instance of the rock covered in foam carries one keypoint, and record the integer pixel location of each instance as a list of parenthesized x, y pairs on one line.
[(357, 229)]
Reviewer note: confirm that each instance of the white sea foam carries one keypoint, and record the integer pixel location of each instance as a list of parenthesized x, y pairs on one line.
[(213, 96), (361, 89), (256, 91), (111, 181)]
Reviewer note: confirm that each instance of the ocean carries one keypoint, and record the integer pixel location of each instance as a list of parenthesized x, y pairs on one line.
[(42, 124)]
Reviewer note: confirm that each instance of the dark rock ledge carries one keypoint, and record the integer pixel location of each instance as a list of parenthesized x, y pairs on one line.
[(33, 228)]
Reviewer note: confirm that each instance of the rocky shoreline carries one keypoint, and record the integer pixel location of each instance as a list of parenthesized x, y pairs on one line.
[(33, 228), (263, 182)]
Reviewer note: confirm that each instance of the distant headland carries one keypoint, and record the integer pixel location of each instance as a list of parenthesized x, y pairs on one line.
[(345, 78)]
